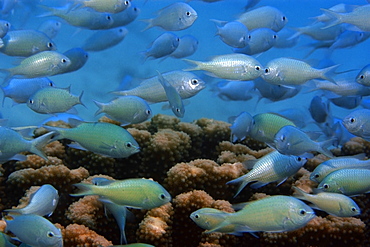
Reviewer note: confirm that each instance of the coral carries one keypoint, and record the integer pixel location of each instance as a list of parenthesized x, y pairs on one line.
[(355, 146), (80, 235), (34, 161)]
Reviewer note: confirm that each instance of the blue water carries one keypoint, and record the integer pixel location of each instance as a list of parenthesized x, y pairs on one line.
[(105, 70)]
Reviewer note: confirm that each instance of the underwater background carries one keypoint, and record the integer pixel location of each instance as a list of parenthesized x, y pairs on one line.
[(191, 157)]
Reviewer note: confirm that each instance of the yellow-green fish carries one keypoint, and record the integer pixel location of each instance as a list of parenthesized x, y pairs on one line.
[(46, 63), (230, 66), (210, 218), (24, 43), (333, 203), (110, 6), (102, 138), (50, 100), (138, 193)]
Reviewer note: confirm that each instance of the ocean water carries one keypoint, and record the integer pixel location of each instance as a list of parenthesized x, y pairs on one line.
[(104, 70)]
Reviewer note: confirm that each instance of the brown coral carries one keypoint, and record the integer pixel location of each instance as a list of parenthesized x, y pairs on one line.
[(79, 235)]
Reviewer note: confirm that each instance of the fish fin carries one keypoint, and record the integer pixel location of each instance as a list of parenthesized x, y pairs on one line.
[(299, 193), (329, 73), (100, 106), (150, 24), (218, 22), (257, 185), (244, 182), (99, 181), (84, 189), (19, 157), (74, 122), (336, 18), (38, 144), (249, 164), (79, 99), (192, 62), (77, 146), (323, 147), (282, 181)]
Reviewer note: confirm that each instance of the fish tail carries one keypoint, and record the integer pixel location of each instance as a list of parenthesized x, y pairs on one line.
[(192, 62), (336, 18), (84, 189), (100, 106), (8, 74), (38, 144), (79, 99), (150, 24), (241, 180), (50, 11), (300, 194), (329, 73), (324, 145)]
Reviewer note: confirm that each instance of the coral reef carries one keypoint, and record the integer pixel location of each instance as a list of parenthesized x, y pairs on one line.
[(193, 161)]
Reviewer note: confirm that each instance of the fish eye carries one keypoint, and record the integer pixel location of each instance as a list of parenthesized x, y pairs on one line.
[(64, 60), (316, 175), (188, 13), (267, 70), (127, 2), (31, 101), (275, 36), (148, 112), (249, 37), (352, 119), (299, 159), (362, 76), (50, 234), (282, 138), (178, 39), (196, 216), (109, 17), (302, 212), (284, 18), (326, 186), (194, 82), (353, 209), (128, 144), (135, 9), (257, 67), (162, 196), (178, 110), (7, 24), (50, 45)]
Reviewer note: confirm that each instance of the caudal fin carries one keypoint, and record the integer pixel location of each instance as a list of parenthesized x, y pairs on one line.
[(39, 143), (336, 18), (329, 73)]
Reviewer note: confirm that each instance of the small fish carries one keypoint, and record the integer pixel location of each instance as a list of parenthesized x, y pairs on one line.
[(210, 218), (12, 143), (235, 90), (42, 202), (104, 39), (274, 92), (174, 98), (266, 16), (296, 115), (34, 230), (78, 58), (269, 214), (333, 203), (266, 125), (24, 43), (270, 168), (151, 90), (339, 8), (348, 38), (135, 192), (84, 17), (102, 138), (288, 71), (20, 90), (317, 32), (329, 166), (50, 27), (363, 77), (230, 66), (110, 6), (290, 140), (187, 46), (241, 126), (357, 123), (175, 17), (319, 109), (258, 40), (232, 33), (162, 46), (4, 28), (350, 182), (126, 109), (356, 17), (284, 39), (347, 102), (46, 63), (343, 87), (51, 100), (125, 17)]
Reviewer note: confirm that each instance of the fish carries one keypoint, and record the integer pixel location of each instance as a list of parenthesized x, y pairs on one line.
[(235, 90), (270, 214), (20, 90), (105, 39), (230, 66), (50, 100), (78, 58), (343, 87), (285, 39), (162, 46), (4, 27), (357, 123), (4, 240), (188, 45), (332, 203), (43, 64), (232, 33), (347, 102), (173, 96), (128, 109), (175, 17), (266, 125), (347, 181), (102, 138), (241, 126), (125, 17), (316, 32), (151, 90), (329, 166), (42, 202), (84, 17), (288, 71), (270, 168), (12, 143), (34, 230), (137, 193), (258, 41), (274, 92), (356, 17), (339, 8), (363, 77), (110, 6), (24, 43), (50, 27), (290, 140), (348, 38), (319, 109), (209, 218), (265, 16)]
